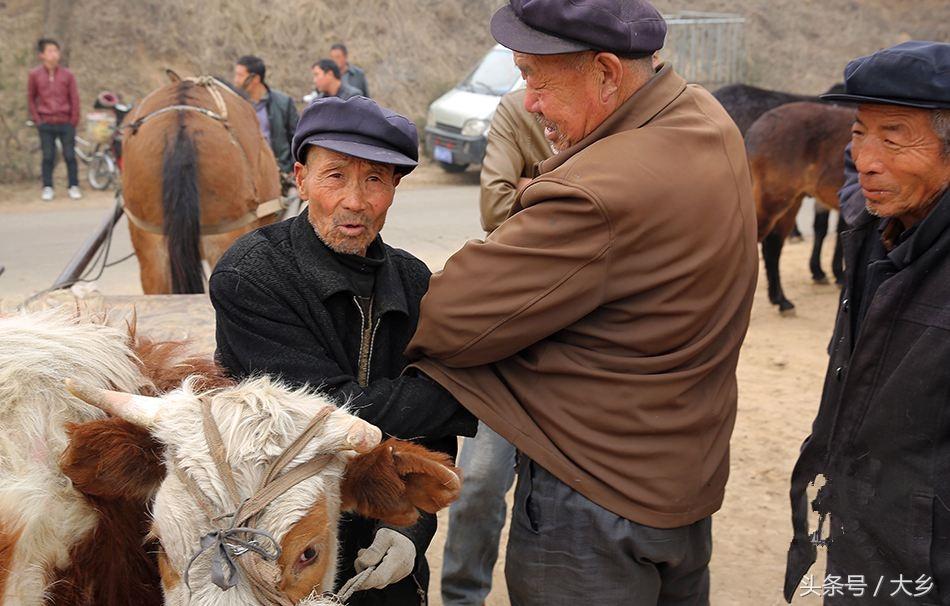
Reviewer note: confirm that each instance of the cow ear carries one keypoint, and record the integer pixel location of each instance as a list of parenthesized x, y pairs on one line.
[(113, 459), (396, 479)]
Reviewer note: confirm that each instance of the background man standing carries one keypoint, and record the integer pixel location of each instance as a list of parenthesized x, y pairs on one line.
[(53, 99), (275, 110), (326, 80), (515, 144), (350, 74), (599, 327)]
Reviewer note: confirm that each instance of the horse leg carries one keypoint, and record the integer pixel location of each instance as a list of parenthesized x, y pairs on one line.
[(821, 230), (837, 261), (152, 255), (772, 253)]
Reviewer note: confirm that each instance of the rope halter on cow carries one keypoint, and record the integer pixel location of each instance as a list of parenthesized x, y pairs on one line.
[(239, 545)]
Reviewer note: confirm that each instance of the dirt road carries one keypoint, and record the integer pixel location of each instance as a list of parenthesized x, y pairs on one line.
[(780, 370)]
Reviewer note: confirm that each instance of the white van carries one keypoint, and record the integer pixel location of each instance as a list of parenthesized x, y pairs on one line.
[(457, 123)]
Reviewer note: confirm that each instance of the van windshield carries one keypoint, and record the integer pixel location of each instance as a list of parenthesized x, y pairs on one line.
[(495, 75)]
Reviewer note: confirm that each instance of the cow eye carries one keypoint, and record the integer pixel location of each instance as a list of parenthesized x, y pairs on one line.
[(308, 556)]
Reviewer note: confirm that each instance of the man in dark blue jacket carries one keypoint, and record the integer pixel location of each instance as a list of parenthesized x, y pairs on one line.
[(321, 300), (880, 441)]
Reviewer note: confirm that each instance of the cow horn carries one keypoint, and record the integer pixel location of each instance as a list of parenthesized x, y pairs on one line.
[(362, 437), (136, 409)]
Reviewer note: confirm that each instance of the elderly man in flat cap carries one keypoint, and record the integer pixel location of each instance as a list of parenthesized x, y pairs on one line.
[(320, 300), (881, 440), (598, 328)]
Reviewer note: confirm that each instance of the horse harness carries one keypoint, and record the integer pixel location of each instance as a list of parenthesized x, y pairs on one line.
[(220, 115), (241, 545)]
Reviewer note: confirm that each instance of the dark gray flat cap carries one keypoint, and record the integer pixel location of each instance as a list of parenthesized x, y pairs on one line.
[(912, 74), (357, 127), (551, 27)]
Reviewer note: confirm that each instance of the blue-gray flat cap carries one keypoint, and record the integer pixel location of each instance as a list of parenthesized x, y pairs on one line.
[(357, 127)]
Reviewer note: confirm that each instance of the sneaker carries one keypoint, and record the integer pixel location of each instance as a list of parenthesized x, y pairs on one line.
[(47, 194), (74, 192)]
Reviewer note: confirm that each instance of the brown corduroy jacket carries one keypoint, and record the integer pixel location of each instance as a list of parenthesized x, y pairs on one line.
[(599, 327)]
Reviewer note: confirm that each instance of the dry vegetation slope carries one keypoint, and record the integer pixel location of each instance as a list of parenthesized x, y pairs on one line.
[(412, 49)]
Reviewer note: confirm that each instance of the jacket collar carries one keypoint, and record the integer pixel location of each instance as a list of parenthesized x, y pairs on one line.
[(328, 277), (636, 111), (925, 234)]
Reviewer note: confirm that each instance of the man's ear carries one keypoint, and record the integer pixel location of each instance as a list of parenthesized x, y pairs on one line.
[(397, 177), (300, 172), (611, 70), (396, 479)]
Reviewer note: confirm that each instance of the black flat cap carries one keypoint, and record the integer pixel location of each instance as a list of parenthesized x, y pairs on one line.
[(913, 74), (551, 27), (357, 127)]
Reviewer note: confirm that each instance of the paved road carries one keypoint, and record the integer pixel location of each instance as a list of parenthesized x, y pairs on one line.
[(37, 240)]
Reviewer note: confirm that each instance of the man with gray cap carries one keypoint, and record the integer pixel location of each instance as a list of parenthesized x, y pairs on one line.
[(881, 440), (598, 328), (320, 300)]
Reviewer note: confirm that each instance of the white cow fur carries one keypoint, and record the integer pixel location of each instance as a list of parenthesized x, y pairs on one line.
[(258, 419), (37, 352)]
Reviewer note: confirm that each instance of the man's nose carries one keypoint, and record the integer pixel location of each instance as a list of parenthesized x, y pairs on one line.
[(531, 100), (353, 198), (867, 157)]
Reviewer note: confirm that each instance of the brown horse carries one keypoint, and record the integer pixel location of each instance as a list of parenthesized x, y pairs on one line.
[(795, 150), (198, 174)]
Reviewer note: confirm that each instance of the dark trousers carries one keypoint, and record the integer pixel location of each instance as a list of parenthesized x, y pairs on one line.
[(565, 550), (66, 133)]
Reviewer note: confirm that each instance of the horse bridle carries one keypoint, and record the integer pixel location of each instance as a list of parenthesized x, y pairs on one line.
[(263, 209), (239, 545)]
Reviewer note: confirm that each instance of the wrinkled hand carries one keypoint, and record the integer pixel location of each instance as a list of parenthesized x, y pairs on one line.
[(393, 555)]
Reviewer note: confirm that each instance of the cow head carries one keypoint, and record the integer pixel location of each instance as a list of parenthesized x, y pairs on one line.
[(258, 419)]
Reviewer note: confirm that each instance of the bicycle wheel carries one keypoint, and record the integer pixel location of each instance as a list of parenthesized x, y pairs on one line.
[(101, 171)]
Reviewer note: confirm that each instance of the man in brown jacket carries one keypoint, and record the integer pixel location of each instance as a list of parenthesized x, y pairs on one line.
[(598, 328)]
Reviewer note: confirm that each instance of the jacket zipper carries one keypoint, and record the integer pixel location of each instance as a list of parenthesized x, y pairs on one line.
[(367, 335)]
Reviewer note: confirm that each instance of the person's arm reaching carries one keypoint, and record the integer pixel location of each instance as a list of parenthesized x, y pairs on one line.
[(541, 271)]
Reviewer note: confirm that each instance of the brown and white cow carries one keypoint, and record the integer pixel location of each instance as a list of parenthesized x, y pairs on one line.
[(74, 485)]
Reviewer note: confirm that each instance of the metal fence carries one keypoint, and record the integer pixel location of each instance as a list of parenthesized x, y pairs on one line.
[(706, 48)]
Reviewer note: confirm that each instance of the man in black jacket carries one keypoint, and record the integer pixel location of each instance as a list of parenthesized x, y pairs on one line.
[(881, 440), (321, 300), (275, 110)]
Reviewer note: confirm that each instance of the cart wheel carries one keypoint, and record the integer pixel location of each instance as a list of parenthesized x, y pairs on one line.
[(101, 171)]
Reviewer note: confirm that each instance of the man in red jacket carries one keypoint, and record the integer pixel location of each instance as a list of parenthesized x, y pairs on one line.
[(54, 106)]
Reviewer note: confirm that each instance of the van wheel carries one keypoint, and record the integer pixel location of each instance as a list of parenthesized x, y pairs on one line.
[(453, 168)]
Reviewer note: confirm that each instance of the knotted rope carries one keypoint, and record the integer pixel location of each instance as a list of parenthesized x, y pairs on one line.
[(237, 546)]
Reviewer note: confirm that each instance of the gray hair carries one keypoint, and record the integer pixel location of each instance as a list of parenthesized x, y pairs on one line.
[(940, 120)]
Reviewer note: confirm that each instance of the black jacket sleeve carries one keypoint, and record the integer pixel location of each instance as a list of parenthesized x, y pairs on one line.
[(257, 333)]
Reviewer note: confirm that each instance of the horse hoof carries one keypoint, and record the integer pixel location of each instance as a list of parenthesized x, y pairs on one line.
[(795, 239), (820, 279), (786, 309)]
